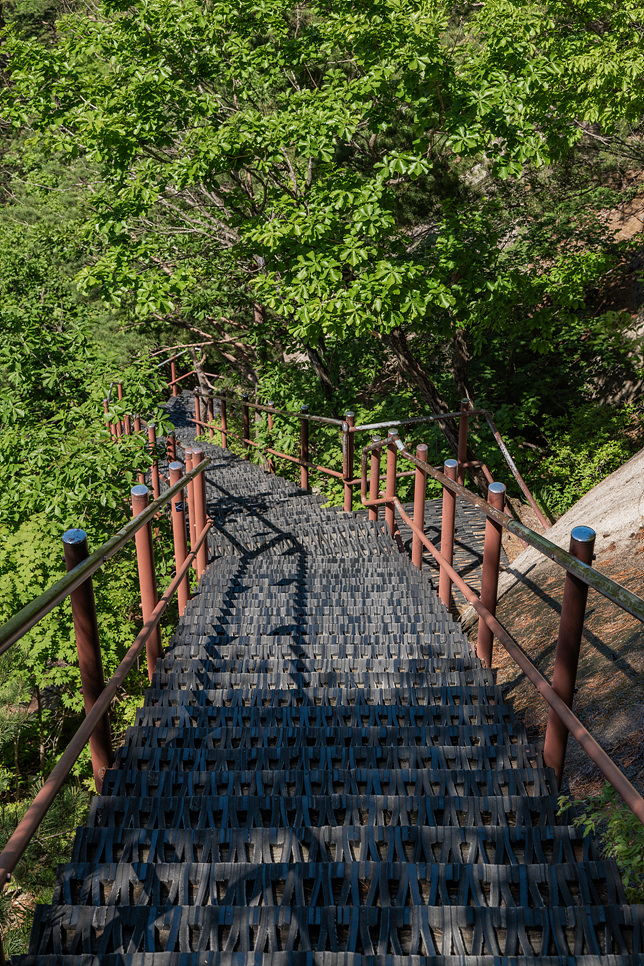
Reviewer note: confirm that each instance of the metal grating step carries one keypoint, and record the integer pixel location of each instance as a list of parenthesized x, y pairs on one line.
[(252, 811), (313, 885), (406, 782), (496, 845), (419, 930)]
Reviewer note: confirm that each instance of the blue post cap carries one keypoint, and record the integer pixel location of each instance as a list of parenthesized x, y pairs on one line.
[(496, 488), (139, 490), (72, 537), (452, 464), (175, 466), (583, 534)]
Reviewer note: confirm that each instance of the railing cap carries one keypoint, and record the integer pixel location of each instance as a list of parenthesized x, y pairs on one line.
[(139, 490), (583, 534), (496, 488), (74, 536)]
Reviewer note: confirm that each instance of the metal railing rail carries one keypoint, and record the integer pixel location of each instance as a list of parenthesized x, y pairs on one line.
[(78, 585), (349, 428), (15, 847), (21, 622), (562, 720)]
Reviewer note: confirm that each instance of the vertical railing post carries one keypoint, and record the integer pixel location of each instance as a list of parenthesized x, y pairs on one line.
[(490, 572), (374, 478), (154, 469), (347, 457), (571, 626), (210, 415), (199, 495), (390, 485), (271, 461), (137, 430), (246, 425), (450, 469), (192, 525), (173, 375), (171, 447), (420, 489), (90, 662), (178, 512), (198, 418), (147, 574), (463, 426), (119, 393), (127, 426), (108, 424), (224, 425), (304, 449)]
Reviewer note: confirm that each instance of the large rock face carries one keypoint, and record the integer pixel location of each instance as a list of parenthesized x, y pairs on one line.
[(610, 695)]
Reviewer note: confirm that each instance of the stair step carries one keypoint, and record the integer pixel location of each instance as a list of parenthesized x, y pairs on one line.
[(472, 845), (179, 749), (254, 811), (419, 930), (341, 884), (407, 782)]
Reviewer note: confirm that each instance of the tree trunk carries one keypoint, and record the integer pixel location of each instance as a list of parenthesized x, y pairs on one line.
[(414, 371), (460, 359), (322, 372)]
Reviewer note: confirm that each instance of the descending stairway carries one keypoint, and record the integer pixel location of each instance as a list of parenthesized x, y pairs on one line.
[(323, 774)]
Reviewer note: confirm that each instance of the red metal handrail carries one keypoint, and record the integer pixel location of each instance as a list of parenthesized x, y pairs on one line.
[(580, 570), (79, 579)]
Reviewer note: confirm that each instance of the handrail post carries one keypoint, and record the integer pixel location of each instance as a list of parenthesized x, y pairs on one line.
[(450, 469), (304, 449), (179, 535), (271, 461), (173, 375), (374, 478), (571, 626), (119, 393), (154, 469), (224, 425), (210, 415), (108, 425), (192, 526), (147, 574), (463, 426), (199, 495), (197, 416), (490, 572), (90, 662), (137, 430), (127, 425), (246, 425), (420, 490), (390, 486), (171, 447), (347, 458)]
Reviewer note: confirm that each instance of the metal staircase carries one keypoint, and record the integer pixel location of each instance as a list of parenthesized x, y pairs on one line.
[(322, 773)]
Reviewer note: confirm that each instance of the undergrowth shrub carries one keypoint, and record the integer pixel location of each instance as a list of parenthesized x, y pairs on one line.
[(621, 834)]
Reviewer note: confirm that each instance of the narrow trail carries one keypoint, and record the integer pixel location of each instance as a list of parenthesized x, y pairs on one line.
[(323, 773)]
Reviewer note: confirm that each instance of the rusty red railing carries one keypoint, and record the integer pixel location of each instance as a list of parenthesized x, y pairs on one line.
[(348, 429), (580, 575), (77, 584)]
